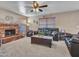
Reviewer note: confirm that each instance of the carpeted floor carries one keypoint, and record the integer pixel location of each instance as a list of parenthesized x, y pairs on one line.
[(23, 48)]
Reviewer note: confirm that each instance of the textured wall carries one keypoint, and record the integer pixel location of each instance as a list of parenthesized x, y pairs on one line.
[(9, 17), (33, 23)]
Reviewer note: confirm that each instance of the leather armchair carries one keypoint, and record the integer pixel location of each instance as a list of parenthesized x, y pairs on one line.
[(30, 33)]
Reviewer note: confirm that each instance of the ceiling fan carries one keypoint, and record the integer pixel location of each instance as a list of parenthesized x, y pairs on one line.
[(36, 7)]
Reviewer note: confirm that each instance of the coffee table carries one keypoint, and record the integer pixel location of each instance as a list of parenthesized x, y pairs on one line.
[(42, 40)]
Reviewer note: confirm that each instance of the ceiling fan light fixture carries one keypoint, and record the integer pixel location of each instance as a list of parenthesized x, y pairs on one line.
[(34, 10), (37, 9)]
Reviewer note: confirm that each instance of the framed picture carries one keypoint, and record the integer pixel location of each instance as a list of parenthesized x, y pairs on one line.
[(9, 18)]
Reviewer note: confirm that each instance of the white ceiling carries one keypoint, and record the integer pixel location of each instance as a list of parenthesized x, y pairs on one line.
[(21, 7)]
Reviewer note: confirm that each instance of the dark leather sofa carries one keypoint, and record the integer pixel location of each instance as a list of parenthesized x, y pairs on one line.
[(29, 33), (73, 45), (48, 32)]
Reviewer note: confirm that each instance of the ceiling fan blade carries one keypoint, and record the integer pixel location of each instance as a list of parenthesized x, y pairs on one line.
[(41, 10), (43, 6)]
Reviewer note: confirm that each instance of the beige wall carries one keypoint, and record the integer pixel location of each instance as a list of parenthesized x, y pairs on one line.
[(16, 18), (69, 21)]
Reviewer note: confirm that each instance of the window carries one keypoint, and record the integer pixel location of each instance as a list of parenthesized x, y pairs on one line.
[(47, 22)]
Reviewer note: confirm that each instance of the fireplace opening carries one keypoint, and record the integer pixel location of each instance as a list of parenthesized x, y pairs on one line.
[(9, 32)]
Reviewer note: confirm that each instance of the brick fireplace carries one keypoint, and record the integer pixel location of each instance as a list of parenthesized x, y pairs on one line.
[(9, 32)]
